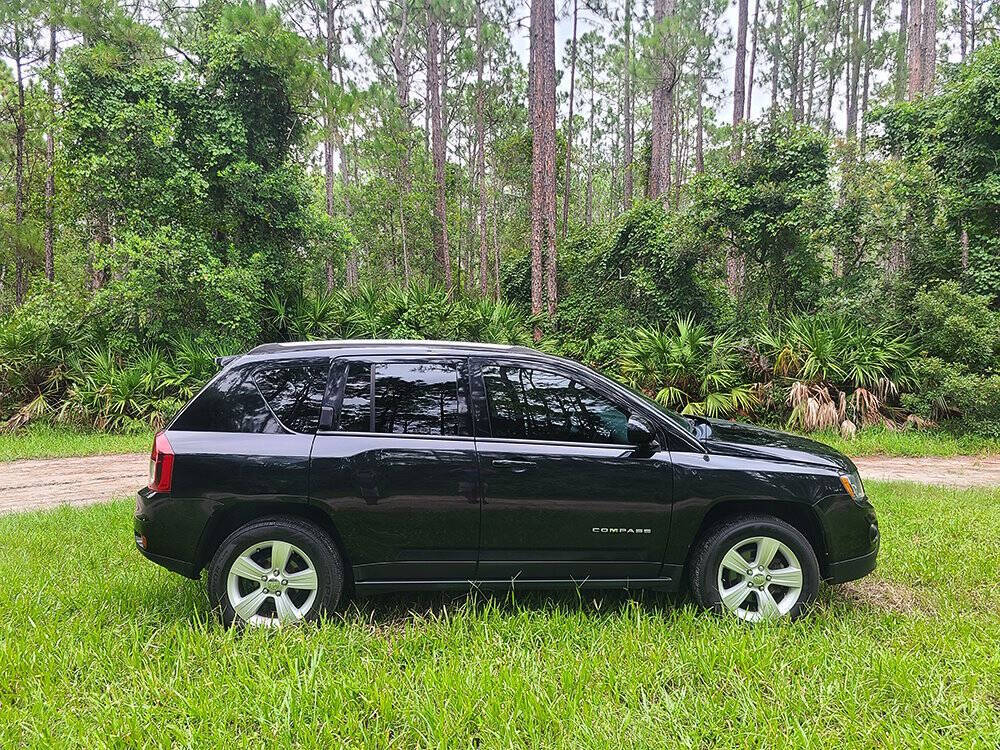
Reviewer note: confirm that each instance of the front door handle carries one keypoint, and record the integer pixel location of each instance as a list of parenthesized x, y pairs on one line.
[(516, 466)]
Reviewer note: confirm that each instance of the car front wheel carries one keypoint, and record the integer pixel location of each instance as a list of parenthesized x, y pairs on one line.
[(756, 568), (275, 571)]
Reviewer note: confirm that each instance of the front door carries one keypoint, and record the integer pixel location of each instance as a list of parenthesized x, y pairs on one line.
[(564, 493), (398, 472)]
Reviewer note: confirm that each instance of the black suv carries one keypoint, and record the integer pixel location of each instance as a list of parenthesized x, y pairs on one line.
[(304, 470)]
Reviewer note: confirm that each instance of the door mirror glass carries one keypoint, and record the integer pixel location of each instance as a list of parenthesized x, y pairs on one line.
[(640, 432)]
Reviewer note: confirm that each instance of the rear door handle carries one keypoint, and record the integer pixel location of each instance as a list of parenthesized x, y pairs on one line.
[(516, 466)]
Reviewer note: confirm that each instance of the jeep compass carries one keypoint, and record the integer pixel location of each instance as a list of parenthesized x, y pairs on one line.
[(304, 471)]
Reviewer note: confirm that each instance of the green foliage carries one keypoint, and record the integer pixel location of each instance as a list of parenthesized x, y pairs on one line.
[(834, 367), (688, 368), (954, 133), (766, 211), (958, 328), (949, 393), (420, 311)]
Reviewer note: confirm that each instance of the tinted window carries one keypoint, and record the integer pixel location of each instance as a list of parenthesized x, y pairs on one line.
[(356, 409), (539, 405), (417, 399), (294, 393), (230, 404)]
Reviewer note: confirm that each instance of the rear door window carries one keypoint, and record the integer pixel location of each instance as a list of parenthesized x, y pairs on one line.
[(417, 398), (356, 407), (410, 398)]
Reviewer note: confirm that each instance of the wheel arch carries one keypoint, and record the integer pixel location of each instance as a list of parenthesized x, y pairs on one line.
[(797, 514), (228, 519)]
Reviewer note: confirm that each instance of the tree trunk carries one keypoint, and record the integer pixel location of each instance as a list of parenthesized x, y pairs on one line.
[(831, 86), (866, 82), (440, 225), (50, 159), (663, 106), (776, 56), (481, 154), (914, 49), (963, 21), (900, 72), (20, 133), (853, 73), (543, 178), (753, 58), (589, 214), (627, 177), (929, 45), (569, 128), (793, 98), (739, 79)]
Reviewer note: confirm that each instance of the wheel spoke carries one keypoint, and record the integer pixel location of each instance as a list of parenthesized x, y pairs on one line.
[(790, 577), (734, 596), (280, 552), (287, 612), (304, 579), (767, 548), (245, 567), (734, 561), (248, 606), (766, 605)]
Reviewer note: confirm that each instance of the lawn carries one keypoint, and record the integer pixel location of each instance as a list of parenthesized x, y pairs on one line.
[(879, 441), (51, 442), (99, 648)]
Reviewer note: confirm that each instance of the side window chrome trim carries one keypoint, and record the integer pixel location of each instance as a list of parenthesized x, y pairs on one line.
[(402, 435), (567, 443)]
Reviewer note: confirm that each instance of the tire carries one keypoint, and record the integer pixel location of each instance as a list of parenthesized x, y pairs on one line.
[(772, 590), (249, 585)]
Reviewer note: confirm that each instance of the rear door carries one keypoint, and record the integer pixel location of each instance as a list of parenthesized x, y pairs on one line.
[(398, 471), (565, 494)]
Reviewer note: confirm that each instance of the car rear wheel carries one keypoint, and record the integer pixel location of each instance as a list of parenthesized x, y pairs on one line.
[(275, 571), (756, 568)]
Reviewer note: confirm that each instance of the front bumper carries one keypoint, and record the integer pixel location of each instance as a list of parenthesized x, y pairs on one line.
[(849, 570)]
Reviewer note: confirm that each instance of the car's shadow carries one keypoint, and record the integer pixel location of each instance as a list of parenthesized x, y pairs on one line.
[(180, 599)]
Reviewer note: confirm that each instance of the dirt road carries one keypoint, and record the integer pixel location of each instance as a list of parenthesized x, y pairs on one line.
[(45, 483)]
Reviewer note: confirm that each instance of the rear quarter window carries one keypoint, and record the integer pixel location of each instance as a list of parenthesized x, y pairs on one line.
[(259, 398)]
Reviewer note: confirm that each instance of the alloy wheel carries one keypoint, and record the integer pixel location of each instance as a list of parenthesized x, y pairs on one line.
[(272, 583), (759, 578)]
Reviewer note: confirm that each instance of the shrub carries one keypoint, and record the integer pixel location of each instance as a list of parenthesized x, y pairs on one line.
[(688, 368), (957, 327), (948, 392), (834, 367)]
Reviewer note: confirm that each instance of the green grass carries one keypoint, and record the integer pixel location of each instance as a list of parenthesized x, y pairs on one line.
[(879, 441), (99, 648), (53, 442)]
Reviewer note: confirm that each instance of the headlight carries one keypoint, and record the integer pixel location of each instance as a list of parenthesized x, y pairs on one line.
[(852, 483)]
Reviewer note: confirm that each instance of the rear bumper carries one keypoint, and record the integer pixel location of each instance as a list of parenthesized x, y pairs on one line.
[(171, 564), (164, 531)]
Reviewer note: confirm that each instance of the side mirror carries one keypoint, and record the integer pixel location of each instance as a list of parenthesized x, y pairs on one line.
[(640, 433)]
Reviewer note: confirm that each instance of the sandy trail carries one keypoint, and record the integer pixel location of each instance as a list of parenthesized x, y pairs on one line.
[(46, 483)]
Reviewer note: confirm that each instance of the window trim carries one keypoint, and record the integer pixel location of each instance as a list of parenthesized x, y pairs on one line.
[(546, 367), (463, 392)]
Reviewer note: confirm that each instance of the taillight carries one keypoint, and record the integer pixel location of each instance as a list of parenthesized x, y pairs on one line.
[(161, 464)]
